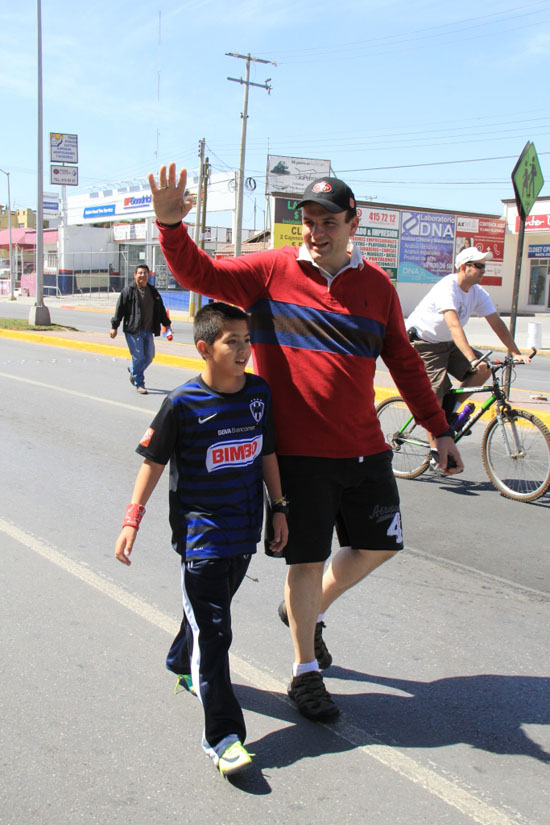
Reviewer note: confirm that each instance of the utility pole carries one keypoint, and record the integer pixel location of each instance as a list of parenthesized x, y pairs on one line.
[(206, 172), (192, 295), (240, 185)]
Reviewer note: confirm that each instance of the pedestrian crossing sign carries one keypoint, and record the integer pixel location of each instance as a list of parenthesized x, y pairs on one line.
[(527, 179)]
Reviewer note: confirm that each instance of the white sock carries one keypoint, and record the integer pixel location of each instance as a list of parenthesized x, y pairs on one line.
[(304, 667), (321, 617)]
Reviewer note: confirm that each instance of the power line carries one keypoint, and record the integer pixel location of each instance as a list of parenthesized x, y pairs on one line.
[(406, 42), (454, 25), (434, 163)]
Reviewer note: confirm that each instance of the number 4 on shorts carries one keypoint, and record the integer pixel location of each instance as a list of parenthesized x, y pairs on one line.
[(395, 529)]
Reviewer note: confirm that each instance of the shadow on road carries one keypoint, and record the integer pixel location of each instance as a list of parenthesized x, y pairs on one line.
[(464, 487), (485, 711)]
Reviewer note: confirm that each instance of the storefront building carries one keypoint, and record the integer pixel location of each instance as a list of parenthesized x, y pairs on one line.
[(418, 246), (535, 266)]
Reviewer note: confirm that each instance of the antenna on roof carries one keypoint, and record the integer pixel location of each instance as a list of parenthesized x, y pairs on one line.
[(158, 85)]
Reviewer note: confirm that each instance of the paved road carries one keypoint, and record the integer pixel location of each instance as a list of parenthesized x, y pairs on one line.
[(441, 667)]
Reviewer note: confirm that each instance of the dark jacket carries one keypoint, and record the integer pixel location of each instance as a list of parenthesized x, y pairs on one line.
[(128, 310)]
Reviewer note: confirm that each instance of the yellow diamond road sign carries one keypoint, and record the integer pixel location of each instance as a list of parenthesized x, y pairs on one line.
[(527, 179)]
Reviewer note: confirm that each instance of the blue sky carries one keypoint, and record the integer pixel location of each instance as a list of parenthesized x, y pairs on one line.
[(396, 94)]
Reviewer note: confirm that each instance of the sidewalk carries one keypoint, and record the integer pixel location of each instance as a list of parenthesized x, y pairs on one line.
[(177, 354), (478, 331)]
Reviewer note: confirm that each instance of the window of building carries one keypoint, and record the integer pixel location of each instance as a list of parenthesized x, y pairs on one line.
[(539, 283)]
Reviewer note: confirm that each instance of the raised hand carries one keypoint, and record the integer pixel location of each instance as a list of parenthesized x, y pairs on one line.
[(169, 201)]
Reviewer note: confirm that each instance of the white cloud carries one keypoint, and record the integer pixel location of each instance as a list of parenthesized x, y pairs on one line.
[(539, 45)]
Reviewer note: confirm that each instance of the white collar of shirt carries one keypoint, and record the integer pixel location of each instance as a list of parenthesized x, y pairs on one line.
[(355, 262)]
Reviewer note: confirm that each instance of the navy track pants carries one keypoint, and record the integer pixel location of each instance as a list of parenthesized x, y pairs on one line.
[(201, 647)]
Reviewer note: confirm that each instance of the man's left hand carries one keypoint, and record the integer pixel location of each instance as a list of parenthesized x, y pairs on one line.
[(446, 447)]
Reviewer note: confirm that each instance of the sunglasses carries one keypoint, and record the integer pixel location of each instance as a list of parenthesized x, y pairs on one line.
[(477, 265)]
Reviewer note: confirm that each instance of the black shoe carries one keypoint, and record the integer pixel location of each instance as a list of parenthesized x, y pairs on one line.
[(131, 377), (324, 659), (312, 699)]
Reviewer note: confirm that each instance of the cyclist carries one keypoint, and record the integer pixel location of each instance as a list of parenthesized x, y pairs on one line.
[(436, 330)]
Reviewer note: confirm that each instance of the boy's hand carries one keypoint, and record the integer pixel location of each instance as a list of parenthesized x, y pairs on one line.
[(124, 545), (280, 534), (169, 201)]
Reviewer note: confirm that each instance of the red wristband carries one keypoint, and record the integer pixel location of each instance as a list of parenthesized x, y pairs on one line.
[(134, 514)]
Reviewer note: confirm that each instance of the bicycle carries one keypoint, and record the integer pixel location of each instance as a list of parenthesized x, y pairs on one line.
[(515, 447)]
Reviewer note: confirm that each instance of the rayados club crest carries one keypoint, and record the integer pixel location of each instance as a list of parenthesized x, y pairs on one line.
[(257, 408)]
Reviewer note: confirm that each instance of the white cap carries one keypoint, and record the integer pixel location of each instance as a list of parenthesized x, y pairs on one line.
[(470, 254)]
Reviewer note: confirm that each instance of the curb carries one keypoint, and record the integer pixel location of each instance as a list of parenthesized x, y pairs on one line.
[(101, 349), (541, 353)]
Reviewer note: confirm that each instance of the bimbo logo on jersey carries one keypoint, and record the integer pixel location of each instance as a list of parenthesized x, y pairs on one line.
[(233, 453)]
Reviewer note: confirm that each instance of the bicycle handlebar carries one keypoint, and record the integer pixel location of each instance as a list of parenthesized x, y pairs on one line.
[(508, 361)]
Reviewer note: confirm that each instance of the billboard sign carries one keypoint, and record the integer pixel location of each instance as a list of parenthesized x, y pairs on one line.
[(487, 234), (377, 237), (285, 174), (535, 223), (426, 246), (63, 148), (64, 175), (538, 251), (50, 204), (287, 224)]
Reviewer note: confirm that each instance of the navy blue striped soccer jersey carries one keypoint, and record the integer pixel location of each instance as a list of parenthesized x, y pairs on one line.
[(214, 442)]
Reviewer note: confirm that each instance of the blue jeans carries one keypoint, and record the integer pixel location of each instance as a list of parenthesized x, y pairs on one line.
[(142, 350)]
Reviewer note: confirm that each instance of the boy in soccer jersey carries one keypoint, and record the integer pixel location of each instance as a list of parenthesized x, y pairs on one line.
[(216, 430)]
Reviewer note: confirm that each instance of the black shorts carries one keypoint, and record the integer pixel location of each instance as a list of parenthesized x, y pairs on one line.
[(357, 496)]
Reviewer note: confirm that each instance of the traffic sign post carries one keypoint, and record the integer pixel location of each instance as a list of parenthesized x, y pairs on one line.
[(63, 149), (527, 180)]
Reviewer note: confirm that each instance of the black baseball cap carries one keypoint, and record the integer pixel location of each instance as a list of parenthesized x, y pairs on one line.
[(331, 193)]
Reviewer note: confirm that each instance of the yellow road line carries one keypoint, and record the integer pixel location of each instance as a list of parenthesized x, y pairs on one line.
[(182, 361)]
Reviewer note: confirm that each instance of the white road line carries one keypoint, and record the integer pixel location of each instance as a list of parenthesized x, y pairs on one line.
[(542, 595), (436, 559), (77, 394), (449, 792)]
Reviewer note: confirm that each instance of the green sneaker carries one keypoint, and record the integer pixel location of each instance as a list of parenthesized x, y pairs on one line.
[(185, 682), (233, 760)]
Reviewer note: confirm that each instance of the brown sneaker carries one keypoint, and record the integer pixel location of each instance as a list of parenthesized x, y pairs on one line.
[(142, 390), (322, 653), (312, 699)]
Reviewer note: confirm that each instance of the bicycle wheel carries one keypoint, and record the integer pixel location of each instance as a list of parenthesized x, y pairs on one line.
[(516, 455), (411, 450)]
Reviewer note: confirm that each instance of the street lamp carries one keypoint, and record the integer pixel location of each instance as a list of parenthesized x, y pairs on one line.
[(39, 314), (12, 291)]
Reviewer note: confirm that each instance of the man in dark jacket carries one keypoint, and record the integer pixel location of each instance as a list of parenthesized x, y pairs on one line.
[(141, 309)]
